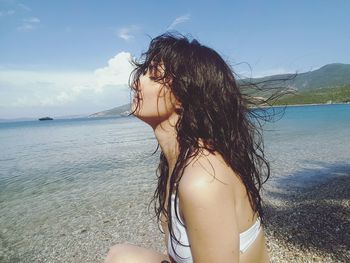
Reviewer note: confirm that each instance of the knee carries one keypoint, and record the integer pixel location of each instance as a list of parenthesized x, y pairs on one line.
[(119, 253)]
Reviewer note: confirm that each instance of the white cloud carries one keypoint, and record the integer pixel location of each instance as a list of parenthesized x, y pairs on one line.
[(25, 27), (127, 33), (179, 20), (34, 88), (116, 73), (24, 7), (29, 24), (7, 13), (104, 88), (32, 20)]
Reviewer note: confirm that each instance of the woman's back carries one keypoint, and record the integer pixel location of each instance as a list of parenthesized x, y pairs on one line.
[(209, 176)]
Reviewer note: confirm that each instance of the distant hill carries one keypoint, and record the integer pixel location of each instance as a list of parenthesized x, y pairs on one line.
[(330, 95), (123, 110), (331, 75), (318, 84)]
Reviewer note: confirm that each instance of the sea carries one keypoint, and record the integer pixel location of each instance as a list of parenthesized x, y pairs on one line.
[(50, 169)]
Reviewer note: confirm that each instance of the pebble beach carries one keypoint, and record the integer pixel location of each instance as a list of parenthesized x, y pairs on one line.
[(303, 225), (310, 224)]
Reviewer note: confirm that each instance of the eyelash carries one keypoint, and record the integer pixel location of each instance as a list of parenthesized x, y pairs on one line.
[(153, 70)]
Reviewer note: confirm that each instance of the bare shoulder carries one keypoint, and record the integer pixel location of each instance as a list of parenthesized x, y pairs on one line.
[(207, 205), (207, 176)]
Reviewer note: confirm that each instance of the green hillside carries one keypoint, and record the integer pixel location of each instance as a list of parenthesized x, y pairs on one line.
[(331, 75), (340, 94)]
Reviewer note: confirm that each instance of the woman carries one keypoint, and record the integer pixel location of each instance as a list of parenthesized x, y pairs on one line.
[(211, 163)]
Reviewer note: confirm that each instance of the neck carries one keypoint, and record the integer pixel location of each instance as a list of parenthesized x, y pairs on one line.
[(166, 135)]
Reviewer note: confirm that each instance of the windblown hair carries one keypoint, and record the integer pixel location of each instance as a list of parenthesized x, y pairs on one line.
[(213, 109)]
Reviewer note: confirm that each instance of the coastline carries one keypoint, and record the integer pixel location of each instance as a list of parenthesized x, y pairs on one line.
[(311, 104), (302, 105)]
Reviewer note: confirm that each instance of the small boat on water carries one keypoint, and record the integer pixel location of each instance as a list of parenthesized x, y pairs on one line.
[(45, 119)]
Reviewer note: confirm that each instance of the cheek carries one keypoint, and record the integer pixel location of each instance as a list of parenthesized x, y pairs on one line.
[(164, 102), (157, 103)]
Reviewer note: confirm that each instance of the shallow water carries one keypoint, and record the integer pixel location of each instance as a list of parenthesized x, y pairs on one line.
[(61, 176), (309, 143)]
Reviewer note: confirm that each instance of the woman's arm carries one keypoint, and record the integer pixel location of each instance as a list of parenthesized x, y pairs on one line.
[(207, 205)]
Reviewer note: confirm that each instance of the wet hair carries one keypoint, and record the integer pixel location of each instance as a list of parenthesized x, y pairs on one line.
[(213, 110)]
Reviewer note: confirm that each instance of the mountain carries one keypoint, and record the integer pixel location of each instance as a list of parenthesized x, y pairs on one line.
[(123, 110), (331, 75), (319, 83), (329, 95)]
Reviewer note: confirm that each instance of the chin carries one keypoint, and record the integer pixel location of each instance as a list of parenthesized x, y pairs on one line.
[(150, 120)]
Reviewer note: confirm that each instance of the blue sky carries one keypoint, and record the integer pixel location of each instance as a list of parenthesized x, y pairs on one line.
[(71, 57)]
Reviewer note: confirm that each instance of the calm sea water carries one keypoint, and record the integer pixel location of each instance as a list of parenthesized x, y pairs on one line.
[(38, 158), (309, 143), (48, 169)]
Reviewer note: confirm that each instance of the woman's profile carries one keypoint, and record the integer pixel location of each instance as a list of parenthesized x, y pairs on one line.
[(212, 164)]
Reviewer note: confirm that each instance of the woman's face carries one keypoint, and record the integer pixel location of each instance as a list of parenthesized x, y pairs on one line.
[(156, 100)]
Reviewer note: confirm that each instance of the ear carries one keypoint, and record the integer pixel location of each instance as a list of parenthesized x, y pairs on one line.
[(176, 103), (178, 107)]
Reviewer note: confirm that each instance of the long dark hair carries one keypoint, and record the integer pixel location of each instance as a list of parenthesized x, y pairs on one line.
[(213, 109)]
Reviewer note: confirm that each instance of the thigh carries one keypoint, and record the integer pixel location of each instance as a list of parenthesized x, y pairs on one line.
[(132, 254)]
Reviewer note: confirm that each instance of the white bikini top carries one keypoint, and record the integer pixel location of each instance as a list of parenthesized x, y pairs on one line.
[(181, 246)]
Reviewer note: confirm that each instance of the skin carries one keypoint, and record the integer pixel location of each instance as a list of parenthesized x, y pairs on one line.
[(213, 201)]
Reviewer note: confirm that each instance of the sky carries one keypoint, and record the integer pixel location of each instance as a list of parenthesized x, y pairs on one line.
[(72, 57)]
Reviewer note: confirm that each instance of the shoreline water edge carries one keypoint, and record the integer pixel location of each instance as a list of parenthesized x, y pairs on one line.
[(88, 116), (70, 191)]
